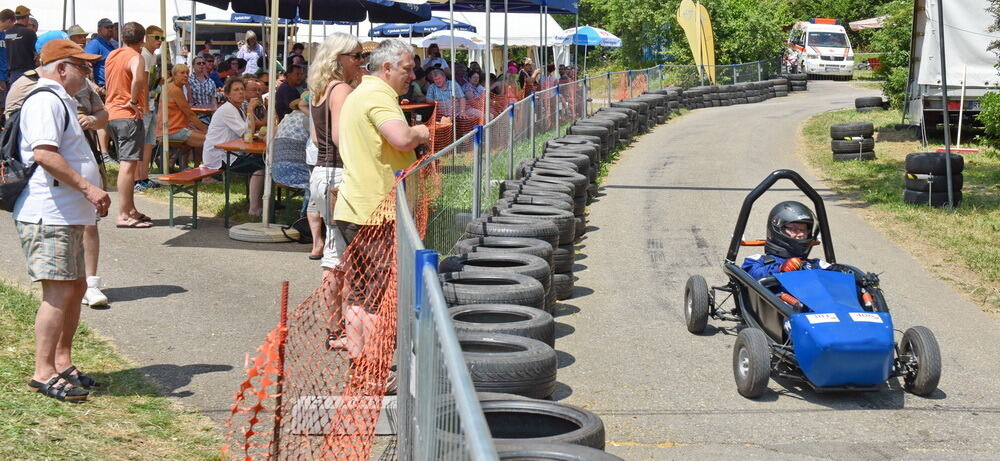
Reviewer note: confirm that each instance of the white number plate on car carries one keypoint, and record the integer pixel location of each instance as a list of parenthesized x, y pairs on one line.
[(822, 318), (831, 68), (865, 317)]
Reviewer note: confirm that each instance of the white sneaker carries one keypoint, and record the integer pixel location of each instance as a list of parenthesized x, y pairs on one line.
[(94, 296)]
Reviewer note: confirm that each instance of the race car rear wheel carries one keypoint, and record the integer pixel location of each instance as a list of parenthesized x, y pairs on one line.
[(923, 377), (696, 304), (751, 362)]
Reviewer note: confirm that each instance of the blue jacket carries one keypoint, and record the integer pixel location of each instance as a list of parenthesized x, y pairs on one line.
[(4, 67), (760, 266)]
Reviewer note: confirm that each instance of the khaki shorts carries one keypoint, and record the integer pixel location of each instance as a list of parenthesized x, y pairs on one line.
[(52, 252)]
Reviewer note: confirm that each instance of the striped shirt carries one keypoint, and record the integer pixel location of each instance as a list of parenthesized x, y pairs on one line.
[(201, 91)]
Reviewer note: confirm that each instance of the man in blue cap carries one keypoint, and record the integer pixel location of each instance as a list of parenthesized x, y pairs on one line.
[(102, 45)]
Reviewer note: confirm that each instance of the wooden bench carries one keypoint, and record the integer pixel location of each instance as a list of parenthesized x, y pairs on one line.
[(185, 183)]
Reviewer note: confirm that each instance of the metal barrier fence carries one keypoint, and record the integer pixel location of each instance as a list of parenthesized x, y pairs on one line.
[(439, 414)]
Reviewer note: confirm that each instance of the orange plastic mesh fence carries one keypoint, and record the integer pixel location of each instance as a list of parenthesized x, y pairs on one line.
[(620, 86), (326, 400), (639, 83)]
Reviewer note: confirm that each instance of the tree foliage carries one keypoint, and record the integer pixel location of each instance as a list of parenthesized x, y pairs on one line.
[(893, 40), (745, 30)]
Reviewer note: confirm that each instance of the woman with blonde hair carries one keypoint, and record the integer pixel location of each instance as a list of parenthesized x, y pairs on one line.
[(183, 125), (336, 70), (252, 52)]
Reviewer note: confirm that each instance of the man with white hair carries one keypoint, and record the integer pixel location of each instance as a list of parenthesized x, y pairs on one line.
[(60, 199), (375, 143)]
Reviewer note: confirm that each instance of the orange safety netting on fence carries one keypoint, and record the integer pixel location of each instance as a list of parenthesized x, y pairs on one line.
[(316, 387)]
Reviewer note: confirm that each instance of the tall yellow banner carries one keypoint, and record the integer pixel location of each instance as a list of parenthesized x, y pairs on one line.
[(694, 19)]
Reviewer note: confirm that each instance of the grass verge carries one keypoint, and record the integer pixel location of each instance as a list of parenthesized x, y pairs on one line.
[(129, 419), (957, 245)]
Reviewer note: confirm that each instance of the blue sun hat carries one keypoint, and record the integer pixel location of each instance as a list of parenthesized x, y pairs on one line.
[(48, 37)]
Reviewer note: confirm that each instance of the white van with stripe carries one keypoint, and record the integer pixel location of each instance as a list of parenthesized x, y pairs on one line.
[(819, 46)]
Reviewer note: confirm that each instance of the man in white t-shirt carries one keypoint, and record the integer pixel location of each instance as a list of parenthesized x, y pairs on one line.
[(61, 197)]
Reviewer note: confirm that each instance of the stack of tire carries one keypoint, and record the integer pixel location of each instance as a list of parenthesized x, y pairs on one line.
[(926, 179), (531, 429), (779, 86), (672, 98), (797, 82), (869, 103), (852, 141)]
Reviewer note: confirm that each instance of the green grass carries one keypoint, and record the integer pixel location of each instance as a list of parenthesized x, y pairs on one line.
[(958, 245), (129, 419)]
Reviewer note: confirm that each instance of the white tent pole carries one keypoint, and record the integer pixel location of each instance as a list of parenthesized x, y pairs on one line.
[(271, 77), (454, 116), (309, 53), (72, 12), (121, 21), (194, 29), (165, 141), (576, 29), (488, 61), (506, 57), (65, 11), (545, 42)]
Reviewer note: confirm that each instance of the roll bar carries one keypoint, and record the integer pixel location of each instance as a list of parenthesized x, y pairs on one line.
[(741, 222)]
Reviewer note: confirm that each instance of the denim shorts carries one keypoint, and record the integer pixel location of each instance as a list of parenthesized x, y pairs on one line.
[(181, 135), (52, 252)]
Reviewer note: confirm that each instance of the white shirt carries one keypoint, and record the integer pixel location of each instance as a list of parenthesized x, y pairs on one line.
[(43, 118), (251, 56), (429, 63), (227, 124)]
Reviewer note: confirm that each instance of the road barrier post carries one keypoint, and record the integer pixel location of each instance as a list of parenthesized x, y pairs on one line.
[(531, 127), (477, 167), (609, 88), (557, 110), (758, 71), (735, 81), (586, 98), (510, 147)]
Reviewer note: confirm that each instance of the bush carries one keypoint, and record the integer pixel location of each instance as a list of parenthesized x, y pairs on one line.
[(989, 116)]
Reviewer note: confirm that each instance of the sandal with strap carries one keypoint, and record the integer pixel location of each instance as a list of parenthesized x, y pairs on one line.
[(79, 379), (336, 341), (59, 390)]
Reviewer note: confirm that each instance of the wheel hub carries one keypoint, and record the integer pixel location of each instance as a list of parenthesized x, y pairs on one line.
[(744, 362)]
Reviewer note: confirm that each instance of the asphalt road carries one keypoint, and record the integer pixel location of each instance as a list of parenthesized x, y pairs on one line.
[(668, 210)]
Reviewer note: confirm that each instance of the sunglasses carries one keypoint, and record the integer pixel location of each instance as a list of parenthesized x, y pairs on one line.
[(199, 63), (358, 56), (157, 37), (85, 67)]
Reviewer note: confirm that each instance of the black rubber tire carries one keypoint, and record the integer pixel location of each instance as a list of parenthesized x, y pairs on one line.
[(869, 101), (563, 258), (499, 226), (937, 199), (853, 156), (504, 263), (564, 220), (510, 364), (563, 203), (580, 160), (562, 284), (520, 421), (578, 180), (549, 164), (508, 319), (579, 203), (933, 163), (696, 304), (852, 130), (593, 153), (492, 288), (598, 121), (520, 186), (751, 362), (581, 226), (536, 179), (921, 342), (489, 245), (937, 183), (590, 130), (843, 146), (551, 451), (780, 93)]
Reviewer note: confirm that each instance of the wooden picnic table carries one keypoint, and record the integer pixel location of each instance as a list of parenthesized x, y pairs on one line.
[(205, 109), (238, 145)]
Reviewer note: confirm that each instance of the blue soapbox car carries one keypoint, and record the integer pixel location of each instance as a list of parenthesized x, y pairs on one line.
[(829, 329)]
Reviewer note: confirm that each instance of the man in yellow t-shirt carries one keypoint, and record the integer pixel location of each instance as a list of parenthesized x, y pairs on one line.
[(375, 142)]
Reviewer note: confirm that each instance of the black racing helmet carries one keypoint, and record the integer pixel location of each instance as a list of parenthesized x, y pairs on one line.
[(778, 242)]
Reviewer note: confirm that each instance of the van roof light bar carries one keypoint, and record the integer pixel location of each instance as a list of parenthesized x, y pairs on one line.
[(824, 21)]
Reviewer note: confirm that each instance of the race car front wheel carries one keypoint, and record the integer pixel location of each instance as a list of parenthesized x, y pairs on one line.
[(751, 362), (922, 376), (696, 304)]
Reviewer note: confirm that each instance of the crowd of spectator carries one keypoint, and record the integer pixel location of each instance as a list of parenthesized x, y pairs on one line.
[(341, 136)]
